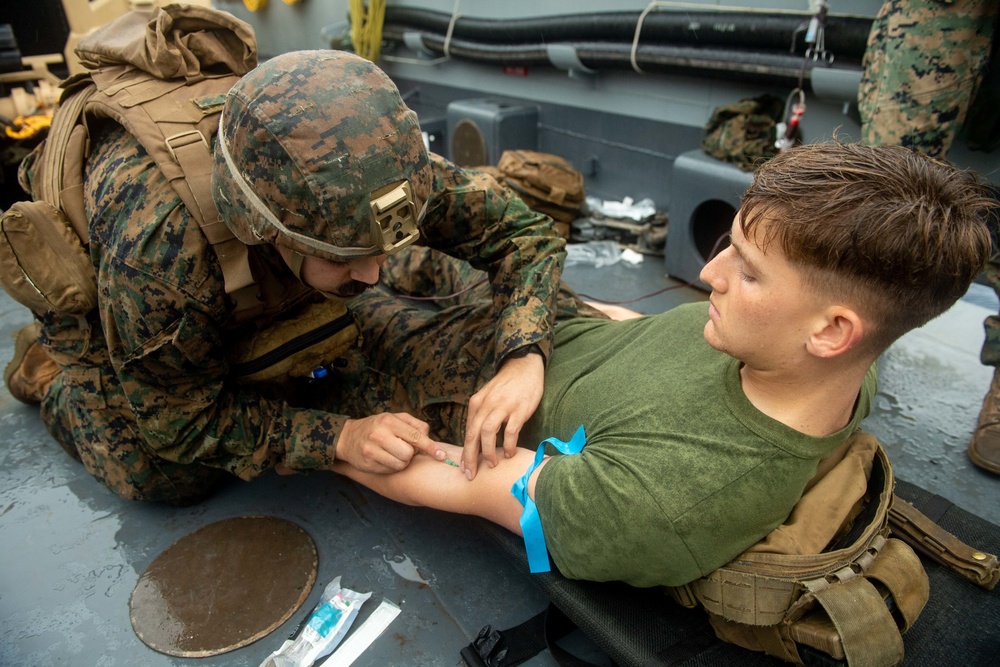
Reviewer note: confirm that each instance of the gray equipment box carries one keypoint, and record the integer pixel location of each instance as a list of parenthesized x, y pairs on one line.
[(480, 130), (704, 197)]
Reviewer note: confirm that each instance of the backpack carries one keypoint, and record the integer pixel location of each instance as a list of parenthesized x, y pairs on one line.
[(167, 98), (163, 75), (744, 133), (547, 183)]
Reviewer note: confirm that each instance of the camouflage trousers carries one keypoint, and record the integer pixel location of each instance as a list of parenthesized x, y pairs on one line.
[(990, 354), (922, 65), (426, 359), (87, 413)]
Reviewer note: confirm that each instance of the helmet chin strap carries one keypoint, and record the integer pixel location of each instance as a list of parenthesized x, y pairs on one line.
[(293, 260)]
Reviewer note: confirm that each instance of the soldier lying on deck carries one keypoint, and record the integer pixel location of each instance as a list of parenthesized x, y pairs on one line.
[(704, 423)]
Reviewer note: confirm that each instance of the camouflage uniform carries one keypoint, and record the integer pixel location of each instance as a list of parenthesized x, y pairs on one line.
[(425, 359), (922, 65), (148, 401)]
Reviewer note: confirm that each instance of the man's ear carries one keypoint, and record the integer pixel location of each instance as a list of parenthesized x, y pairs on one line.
[(838, 331)]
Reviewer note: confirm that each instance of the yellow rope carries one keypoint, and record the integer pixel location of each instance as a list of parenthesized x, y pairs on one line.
[(366, 27)]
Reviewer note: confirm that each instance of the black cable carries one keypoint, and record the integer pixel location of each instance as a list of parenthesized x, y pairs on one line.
[(846, 35)]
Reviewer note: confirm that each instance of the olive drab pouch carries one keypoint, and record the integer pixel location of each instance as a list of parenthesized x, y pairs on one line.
[(300, 344), (851, 600), (744, 133), (43, 264)]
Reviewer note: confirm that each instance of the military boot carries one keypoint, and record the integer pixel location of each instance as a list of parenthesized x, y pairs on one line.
[(31, 370), (984, 448)]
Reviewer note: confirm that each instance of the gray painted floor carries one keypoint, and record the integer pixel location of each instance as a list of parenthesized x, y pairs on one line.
[(72, 552)]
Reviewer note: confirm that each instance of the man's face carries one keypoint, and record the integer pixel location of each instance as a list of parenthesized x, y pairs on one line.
[(760, 308), (343, 279)]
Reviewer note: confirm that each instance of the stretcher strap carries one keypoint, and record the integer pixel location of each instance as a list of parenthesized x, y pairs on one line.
[(531, 525)]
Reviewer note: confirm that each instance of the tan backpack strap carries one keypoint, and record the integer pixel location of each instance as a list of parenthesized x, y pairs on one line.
[(899, 571), (926, 537), (192, 153), (174, 122), (64, 120), (868, 633)]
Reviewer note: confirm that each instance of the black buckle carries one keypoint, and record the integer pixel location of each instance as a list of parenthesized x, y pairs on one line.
[(488, 649)]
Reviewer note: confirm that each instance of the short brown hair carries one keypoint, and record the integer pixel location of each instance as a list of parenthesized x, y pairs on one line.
[(898, 235)]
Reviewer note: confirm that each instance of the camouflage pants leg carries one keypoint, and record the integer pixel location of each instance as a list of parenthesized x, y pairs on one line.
[(990, 354), (87, 414), (922, 65)]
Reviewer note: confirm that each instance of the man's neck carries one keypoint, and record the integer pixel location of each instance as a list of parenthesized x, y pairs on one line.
[(817, 401)]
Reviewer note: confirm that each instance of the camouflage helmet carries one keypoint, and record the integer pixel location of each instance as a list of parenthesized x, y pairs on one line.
[(318, 153)]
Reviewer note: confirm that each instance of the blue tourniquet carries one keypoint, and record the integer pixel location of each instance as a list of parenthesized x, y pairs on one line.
[(531, 525)]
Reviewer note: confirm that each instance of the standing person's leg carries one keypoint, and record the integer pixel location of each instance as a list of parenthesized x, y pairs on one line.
[(984, 448), (922, 65)]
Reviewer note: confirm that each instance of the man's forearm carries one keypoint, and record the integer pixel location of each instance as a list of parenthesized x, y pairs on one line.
[(435, 484)]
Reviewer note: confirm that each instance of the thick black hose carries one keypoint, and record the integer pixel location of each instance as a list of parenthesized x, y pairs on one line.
[(774, 67), (846, 36)]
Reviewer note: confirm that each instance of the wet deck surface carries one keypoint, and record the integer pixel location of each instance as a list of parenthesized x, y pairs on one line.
[(72, 552)]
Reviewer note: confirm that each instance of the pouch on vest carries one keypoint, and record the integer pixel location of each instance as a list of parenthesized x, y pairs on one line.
[(850, 601), (295, 346), (43, 264), (743, 133)]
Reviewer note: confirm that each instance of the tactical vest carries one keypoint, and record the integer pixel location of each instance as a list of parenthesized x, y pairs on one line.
[(44, 263), (850, 601)]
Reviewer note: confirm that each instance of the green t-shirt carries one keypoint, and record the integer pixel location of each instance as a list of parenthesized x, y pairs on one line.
[(680, 473)]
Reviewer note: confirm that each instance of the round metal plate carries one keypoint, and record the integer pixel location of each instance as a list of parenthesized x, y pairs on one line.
[(223, 586)]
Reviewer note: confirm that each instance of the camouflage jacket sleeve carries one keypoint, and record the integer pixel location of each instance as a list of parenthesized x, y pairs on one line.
[(162, 307), (472, 217)]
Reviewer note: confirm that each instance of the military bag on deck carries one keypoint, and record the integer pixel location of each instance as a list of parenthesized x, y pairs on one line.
[(743, 133), (547, 183)]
